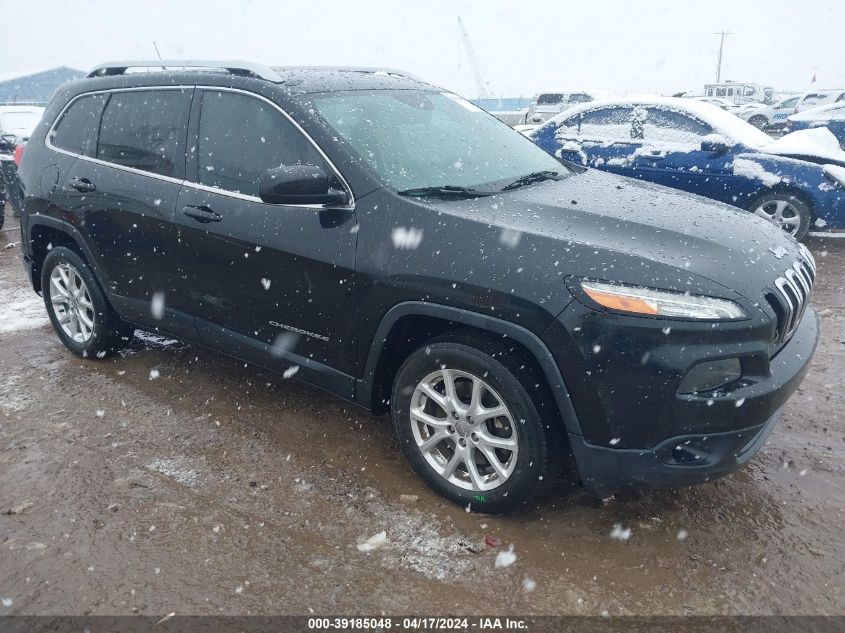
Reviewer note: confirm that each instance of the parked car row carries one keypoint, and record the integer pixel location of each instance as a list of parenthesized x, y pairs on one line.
[(831, 117), (16, 124)]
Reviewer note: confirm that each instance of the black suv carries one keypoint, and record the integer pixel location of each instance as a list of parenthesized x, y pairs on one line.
[(390, 242)]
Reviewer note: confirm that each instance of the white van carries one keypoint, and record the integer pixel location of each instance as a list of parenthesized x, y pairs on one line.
[(739, 93)]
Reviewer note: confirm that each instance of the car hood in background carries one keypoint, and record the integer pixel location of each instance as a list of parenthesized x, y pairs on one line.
[(817, 145)]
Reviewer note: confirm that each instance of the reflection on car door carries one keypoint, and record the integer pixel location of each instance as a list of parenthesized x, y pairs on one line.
[(124, 186), (274, 284)]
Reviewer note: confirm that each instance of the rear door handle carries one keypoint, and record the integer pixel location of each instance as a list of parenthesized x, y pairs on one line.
[(82, 185), (201, 214)]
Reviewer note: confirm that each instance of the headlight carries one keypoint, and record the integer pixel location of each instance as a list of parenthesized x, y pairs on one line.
[(638, 300)]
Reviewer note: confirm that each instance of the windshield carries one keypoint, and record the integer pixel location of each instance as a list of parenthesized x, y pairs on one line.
[(417, 138)]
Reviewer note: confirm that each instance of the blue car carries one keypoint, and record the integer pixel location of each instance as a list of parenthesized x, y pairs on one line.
[(796, 182), (830, 116)]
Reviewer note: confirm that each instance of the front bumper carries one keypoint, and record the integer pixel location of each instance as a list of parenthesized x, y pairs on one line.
[(705, 449), (678, 461)]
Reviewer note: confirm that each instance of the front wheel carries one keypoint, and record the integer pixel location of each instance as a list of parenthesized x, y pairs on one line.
[(760, 122), (469, 428), (786, 211), (77, 307)]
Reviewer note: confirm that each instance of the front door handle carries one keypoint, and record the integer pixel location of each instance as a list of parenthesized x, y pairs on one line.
[(82, 185), (201, 214)]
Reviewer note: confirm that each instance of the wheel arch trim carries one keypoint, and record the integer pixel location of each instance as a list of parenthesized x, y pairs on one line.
[(365, 385), (36, 220)]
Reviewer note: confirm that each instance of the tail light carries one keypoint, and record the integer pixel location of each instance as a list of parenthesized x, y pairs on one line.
[(18, 154)]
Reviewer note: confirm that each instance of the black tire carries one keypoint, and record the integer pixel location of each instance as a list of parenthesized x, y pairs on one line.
[(759, 121), (108, 333), (534, 437), (796, 208)]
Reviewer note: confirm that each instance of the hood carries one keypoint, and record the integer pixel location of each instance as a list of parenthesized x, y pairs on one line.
[(817, 145), (618, 229)]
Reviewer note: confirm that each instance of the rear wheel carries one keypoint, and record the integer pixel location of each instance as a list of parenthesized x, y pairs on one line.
[(469, 428), (77, 307), (785, 210)]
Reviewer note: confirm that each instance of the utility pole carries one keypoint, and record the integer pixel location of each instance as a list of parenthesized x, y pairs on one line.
[(722, 35)]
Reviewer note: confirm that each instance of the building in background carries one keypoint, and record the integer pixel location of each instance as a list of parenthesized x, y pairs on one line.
[(35, 87)]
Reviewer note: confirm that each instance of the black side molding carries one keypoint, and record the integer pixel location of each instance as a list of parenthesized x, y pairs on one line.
[(364, 386)]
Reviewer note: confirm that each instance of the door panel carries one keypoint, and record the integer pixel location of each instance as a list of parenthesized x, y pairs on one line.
[(122, 190), (271, 283)]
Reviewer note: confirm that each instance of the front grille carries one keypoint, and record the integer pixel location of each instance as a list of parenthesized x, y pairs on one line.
[(792, 295)]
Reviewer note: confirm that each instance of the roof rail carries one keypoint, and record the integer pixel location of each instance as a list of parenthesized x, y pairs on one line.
[(245, 69), (357, 69)]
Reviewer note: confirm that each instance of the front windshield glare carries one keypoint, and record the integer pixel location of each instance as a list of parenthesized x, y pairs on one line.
[(415, 138)]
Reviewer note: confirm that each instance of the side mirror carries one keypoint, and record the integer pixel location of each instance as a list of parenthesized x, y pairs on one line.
[(714, 146), (299, 184)]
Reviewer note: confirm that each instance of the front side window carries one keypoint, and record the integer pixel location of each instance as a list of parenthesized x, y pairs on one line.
[(670, 126), (422, 138), (75, 130), (790, 103), (145, 130), (241, 137)]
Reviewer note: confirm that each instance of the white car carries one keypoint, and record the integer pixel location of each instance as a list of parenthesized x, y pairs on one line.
[(764, 116), (816, 98), (19, 121), (549, 103)]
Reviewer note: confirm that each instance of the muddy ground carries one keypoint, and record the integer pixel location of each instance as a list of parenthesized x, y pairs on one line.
[(221, 488)]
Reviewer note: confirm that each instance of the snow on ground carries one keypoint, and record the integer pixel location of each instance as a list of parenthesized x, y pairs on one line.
[(21, 308)]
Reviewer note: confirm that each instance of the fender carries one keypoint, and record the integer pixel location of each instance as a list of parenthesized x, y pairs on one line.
[(36, 219), (364, 386)]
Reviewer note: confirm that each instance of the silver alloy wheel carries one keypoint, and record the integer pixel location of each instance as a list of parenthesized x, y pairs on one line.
[(72, 303), (464, 430), (781, 213)]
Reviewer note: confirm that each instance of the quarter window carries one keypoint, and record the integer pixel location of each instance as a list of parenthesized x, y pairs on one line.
[(145, 130), (74, 131)]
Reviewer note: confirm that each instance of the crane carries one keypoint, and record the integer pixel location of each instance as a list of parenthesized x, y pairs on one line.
[(473, 62)]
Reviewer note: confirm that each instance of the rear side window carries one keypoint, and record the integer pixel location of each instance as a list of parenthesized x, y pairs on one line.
[(580, 98), (75, 129), (146, 130), (241, 137), (604, 124)]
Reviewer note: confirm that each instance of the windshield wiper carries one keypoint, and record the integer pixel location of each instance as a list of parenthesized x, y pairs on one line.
[(534, 176), (445, 191)]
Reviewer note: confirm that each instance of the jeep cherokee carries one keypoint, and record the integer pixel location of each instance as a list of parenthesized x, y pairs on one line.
[(390, 242)]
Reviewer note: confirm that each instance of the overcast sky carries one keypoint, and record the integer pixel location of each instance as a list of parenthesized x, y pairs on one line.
[(624, 46)]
